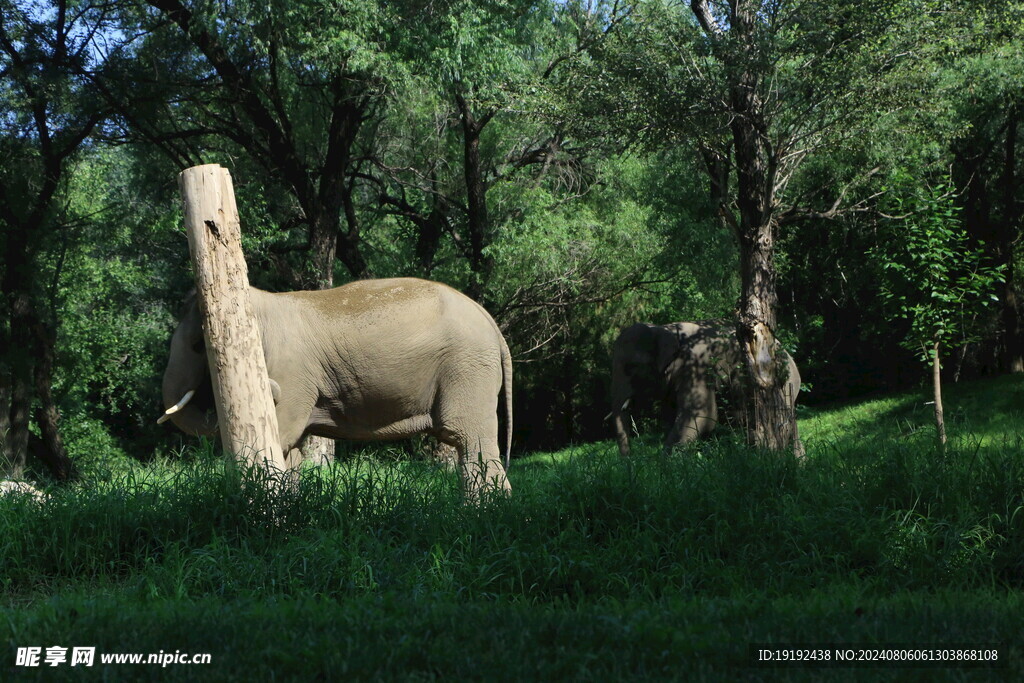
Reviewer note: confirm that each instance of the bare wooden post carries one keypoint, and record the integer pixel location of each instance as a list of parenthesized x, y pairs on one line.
[(234, 349)]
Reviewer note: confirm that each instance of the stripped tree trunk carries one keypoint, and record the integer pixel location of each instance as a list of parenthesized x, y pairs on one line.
[(245, 406)]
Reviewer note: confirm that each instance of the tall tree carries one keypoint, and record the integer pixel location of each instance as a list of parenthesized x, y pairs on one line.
[(757, 87), (287, 86), (485, 71), (49, 115)]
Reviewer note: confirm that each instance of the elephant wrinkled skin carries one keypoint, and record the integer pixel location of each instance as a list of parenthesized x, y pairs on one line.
[(371, 360), (687, 366)]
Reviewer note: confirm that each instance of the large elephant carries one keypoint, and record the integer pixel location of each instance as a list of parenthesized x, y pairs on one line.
[(371, 360), (687, 366)]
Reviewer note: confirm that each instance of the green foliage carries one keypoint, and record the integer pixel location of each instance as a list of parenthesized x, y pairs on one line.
[(586, 230), (117, 282), (931, 275)]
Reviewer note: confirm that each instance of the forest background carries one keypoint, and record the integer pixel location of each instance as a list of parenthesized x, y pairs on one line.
[(574, 166)]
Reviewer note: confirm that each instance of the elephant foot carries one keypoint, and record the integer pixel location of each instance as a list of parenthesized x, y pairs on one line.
[(483, 476)]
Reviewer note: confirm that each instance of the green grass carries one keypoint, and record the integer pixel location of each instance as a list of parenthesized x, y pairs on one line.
[(656, 568), (989, 411)]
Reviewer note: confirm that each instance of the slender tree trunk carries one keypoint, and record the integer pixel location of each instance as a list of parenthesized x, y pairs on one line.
[(940, 424), (323, 247), (476, 199), (428, 239), (1013, 339), (349, 251), (476, 196), (6, 386), (16, 365)]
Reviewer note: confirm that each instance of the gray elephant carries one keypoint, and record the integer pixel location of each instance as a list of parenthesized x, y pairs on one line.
[(371, 360), (688, 367)]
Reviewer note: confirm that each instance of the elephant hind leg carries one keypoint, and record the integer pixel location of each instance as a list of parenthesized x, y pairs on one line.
[(696, 416), (465, 415), (479, 463), (479, 456)]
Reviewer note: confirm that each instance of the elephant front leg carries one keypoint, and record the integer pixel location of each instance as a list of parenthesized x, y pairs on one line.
[(619, 418), (291, 427)]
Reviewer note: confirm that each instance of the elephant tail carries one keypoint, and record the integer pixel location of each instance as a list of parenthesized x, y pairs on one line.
[(506, 383)]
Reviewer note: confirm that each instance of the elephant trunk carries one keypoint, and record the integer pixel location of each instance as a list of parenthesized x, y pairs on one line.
[(187, 388), (619, 416), (190, 408)]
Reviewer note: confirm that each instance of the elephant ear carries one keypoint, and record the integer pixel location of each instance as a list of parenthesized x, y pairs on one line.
[(666, 346), (275, 391)]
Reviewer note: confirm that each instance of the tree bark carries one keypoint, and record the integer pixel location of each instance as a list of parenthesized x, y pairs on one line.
[(1013, 335), (16, 367), (323, 245), (476, 195), (51, 448)]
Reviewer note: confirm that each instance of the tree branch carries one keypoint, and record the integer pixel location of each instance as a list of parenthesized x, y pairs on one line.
[(705, 18)]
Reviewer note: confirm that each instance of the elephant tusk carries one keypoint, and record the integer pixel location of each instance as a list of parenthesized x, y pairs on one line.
[(620, 410), (176, 407)]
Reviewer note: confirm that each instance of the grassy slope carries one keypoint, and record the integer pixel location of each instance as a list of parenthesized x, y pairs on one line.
[(659, 568), (990, 411)]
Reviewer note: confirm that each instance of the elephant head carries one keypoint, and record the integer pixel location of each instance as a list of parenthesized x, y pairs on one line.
[(187, 387), (639, 358)]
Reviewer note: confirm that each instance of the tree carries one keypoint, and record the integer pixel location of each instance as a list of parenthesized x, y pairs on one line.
[(290, 86), (757, 88), (984, 92), (931, 276), (49, 115), (474, 122)]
